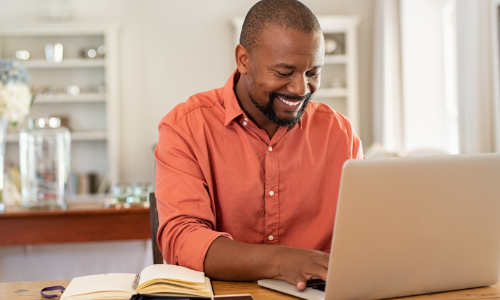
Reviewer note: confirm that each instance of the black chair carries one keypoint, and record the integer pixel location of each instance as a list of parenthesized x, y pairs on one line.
[(153, 217)]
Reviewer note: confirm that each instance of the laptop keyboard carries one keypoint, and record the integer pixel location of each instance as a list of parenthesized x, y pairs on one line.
[(317, 284)]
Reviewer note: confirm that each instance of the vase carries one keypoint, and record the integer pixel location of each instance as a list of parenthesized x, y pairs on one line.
[(44, 163), (3, 135)]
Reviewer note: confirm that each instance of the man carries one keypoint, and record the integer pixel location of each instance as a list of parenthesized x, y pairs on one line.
[(248, 174)]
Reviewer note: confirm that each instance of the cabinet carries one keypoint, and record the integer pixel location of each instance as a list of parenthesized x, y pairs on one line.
[(339, 77), (92, 113)]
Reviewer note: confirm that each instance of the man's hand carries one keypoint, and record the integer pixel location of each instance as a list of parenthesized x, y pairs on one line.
[(298, 266), (235, 261)]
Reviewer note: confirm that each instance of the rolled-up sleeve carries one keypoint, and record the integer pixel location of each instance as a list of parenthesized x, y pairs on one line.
[(185, 210)]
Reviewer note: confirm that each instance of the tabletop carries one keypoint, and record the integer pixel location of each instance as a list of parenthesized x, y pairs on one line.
[(31, 291)]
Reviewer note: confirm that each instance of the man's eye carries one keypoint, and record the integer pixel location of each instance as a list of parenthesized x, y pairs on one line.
[(313, 74), (284, 74)]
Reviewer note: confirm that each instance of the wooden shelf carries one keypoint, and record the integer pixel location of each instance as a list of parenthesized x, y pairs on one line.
[(331, 92), (335, 59), (64, 98), (80, 222), (76, 136), (66, 63)]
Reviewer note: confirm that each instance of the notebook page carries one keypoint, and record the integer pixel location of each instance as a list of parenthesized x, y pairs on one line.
[(171, 272), (99, 283)]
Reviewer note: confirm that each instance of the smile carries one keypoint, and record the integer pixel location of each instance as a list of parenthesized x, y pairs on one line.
[(290, 102)]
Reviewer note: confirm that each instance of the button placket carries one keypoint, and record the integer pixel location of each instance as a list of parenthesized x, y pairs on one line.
[(272, 212)]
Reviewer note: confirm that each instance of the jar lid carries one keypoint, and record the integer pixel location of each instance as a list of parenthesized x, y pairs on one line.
[(44, 123)]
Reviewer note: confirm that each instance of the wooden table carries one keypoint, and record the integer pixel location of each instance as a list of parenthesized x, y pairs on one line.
[(31, 291), (79, 222)]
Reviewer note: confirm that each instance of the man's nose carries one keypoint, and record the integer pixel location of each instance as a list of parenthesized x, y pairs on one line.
[(299, 85)]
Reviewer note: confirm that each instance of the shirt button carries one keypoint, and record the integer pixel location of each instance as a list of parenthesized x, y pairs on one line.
[(271, 193), (245, 123), (271, 237), (246, 119), (270, 148)]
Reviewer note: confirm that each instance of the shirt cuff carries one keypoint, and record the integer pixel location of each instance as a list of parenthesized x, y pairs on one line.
[(196, 246)]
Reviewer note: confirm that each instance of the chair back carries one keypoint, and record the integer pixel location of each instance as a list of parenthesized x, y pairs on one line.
[(155, 223)]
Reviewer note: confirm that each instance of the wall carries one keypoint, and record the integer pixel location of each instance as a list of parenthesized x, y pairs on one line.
[(479, 115), (173, 49), (425, 125)]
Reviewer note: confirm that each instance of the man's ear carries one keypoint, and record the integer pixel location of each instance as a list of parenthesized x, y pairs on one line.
[(242, 59)]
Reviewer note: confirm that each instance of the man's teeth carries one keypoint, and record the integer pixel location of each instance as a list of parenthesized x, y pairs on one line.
[(290, 102)]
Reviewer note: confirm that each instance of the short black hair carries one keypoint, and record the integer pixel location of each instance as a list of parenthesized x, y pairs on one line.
[(289, 14)]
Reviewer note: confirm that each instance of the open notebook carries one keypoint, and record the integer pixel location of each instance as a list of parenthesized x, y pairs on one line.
[(160, 280)]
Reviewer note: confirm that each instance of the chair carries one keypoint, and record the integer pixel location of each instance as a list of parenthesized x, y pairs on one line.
[(153, 217)]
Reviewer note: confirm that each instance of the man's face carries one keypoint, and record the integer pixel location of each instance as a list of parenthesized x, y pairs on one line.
[(284, 73)]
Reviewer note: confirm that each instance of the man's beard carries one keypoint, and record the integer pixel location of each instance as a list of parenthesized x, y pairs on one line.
[(270, 113)]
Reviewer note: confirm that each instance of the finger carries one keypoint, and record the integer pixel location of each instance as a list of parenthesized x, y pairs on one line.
[(301, 285), (324, 261), (323, 272), (317, 272)]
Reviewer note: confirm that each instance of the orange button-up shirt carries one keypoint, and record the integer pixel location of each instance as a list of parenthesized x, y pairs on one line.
[(218, 174)]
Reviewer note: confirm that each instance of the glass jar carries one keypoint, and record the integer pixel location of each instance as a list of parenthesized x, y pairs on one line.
[(141, 191), (122, 192), (44, 153)]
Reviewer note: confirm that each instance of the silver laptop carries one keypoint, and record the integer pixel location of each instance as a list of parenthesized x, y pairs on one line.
[(408, 226)]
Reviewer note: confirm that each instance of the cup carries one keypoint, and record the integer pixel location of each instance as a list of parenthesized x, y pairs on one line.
[(122, 192), (141, 191)]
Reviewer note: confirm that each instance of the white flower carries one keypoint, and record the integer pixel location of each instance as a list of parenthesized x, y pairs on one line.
[(15, 100)]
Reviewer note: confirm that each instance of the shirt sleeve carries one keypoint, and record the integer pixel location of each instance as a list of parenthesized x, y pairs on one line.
[(185, 210), (354, 141)]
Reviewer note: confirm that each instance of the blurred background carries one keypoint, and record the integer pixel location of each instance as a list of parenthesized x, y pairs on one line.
[(416, 77), (169, 50)]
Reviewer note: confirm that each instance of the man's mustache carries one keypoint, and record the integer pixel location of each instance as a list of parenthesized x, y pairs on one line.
[(291, 97)]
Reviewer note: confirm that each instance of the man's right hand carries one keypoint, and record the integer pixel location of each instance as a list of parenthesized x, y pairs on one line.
[(235, 261), (298, 266)]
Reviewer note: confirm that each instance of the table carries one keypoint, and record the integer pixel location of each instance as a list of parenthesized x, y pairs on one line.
[(31, 291), (79, 222)]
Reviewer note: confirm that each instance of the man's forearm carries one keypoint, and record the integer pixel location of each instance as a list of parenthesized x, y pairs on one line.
[(234, 261)]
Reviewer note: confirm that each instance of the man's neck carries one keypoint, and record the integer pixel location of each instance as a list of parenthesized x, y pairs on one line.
[(251, 110)]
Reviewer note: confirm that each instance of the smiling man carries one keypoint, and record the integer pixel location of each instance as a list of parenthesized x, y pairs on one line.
[(248, 174)]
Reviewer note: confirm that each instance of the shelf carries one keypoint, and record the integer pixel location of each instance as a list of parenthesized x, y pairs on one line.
[(22, 226), (71, 29), (76, 136), (66, 63), (331, 92), (335, 59), (94, 116), (65, 98), (97, 135)]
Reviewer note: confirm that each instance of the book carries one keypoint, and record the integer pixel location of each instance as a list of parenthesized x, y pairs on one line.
[(157, 280)]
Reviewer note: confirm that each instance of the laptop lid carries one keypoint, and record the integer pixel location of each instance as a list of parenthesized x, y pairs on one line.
[(407, 226)]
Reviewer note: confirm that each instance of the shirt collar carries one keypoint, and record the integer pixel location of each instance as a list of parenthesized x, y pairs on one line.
[(231, 104), (233, 109)]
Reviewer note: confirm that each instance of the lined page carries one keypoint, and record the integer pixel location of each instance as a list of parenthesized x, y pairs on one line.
[(100, 283)]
